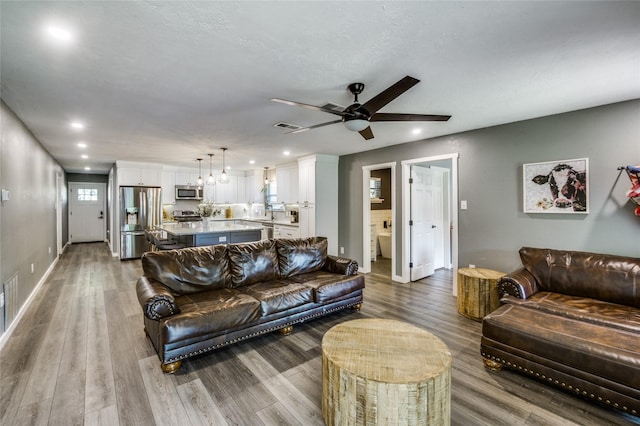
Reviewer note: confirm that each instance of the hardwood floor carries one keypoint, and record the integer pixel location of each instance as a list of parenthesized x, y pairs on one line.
[(79, 356)]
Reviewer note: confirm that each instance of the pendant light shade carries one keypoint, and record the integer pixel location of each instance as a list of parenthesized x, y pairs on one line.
[(266, 175), (211, 180), (223, 176), (199, 182)]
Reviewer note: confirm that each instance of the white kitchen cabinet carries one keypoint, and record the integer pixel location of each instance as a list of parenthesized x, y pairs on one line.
[(227, 193), (208, 192), (287, 179), (286, 231), (139, 176), (189, 177), (242, 194), (254, 185), (318, 192), (307, 222), (168, 188), (307, 181)]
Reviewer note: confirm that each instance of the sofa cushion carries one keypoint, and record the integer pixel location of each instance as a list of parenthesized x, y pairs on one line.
[(614, 279), (209, 312), (190, 270), (570, 345), (582, 308), (279, 295), (327, 286), (253, 262), (299, 256)]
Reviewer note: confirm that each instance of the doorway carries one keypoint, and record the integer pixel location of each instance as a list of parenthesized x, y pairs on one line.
[(87, 207), (443, 218), (378, 213)]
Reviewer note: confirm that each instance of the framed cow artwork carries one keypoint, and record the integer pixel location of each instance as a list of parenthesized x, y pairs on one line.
[(556, 186)]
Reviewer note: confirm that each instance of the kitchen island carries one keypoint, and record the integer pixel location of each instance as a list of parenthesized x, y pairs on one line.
[(206, 233)]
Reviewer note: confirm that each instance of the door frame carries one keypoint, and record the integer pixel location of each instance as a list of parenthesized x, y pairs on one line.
[(406, 248), (366, 217), (104, 207)]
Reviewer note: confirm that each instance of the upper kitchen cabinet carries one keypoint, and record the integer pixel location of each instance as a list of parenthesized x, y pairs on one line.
[(227, 193), (138, 174), (287, 179), (168, 187), (188, 177)]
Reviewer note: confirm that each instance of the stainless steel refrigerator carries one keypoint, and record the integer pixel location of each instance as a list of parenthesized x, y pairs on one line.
[(140, 210)]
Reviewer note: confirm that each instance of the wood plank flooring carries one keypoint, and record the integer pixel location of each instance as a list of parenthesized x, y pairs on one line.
[(80, 356)]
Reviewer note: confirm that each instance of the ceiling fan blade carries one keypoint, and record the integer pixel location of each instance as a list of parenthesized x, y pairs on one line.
[(389, 94), (367, 133), (304, 129), (381, 116), (313, 107)]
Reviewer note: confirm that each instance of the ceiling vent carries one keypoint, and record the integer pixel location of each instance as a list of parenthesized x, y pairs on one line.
[(287, 126), (334, 107)]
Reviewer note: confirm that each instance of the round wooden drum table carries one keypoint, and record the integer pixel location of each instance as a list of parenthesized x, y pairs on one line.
[(478, 292), (378, 371)]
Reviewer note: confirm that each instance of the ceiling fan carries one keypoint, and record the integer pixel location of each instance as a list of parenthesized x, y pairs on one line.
[(356, 117)]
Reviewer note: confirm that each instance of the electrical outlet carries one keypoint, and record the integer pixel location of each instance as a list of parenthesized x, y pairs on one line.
[(341, 250), (463, 205), (33, 268), (2, 299), (49, 249), (471, 265)]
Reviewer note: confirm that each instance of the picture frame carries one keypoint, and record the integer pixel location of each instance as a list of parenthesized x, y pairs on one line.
[(560, 186)]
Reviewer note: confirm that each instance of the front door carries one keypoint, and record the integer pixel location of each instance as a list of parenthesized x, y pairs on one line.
[(423, 222), (87, 208)]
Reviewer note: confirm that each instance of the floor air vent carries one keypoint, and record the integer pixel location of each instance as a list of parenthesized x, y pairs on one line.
[(10, 291), (287, 126)]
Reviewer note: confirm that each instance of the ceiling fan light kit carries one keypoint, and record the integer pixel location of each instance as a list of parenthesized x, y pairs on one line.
[(356, 117)]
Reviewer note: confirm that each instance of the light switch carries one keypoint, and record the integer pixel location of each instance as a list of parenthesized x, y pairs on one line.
[(5, 195), (463, 205)]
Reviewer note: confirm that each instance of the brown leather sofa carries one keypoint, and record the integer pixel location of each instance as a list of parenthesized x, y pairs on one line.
[(572, 320), (202, 298)]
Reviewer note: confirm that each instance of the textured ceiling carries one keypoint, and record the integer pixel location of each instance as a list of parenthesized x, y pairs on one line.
[(169, 82)]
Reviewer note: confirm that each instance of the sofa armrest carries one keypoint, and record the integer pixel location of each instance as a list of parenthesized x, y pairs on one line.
[(519, 284), (156, 299), (340, 265)]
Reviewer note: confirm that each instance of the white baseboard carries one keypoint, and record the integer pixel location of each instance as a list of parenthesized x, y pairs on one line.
[(5, 336)]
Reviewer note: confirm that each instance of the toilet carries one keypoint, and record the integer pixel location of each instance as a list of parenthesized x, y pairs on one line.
[(384, 239)]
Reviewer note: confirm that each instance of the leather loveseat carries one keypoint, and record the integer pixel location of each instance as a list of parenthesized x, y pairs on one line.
[(572, 320), (202, 298)]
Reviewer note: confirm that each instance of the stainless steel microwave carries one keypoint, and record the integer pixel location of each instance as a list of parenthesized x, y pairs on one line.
[(188, 192)]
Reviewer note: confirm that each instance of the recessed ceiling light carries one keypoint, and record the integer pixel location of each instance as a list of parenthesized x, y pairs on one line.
[(85, 156), (76, 125), (252, 161), (286, 153), (59, 33), (228, 167), (87, 168), (416, 131), (82, 145)]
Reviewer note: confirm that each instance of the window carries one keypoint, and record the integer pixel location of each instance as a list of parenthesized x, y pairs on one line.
[(87, 194)]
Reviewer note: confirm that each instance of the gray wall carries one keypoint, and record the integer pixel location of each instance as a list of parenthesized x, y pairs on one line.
[(490, 178), (28, 219)]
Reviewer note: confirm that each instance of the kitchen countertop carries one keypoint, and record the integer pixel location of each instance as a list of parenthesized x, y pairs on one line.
[(206, 227), (247, 219)]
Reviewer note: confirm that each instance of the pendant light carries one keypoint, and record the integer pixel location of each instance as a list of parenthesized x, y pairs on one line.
[(266, 175), (223, 176), (199, 182), (211, 180)]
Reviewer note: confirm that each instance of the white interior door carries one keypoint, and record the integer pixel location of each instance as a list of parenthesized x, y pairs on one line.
[(423, 222), (87, 212)]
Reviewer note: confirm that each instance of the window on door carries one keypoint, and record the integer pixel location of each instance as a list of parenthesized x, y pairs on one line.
[(87, 194)]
